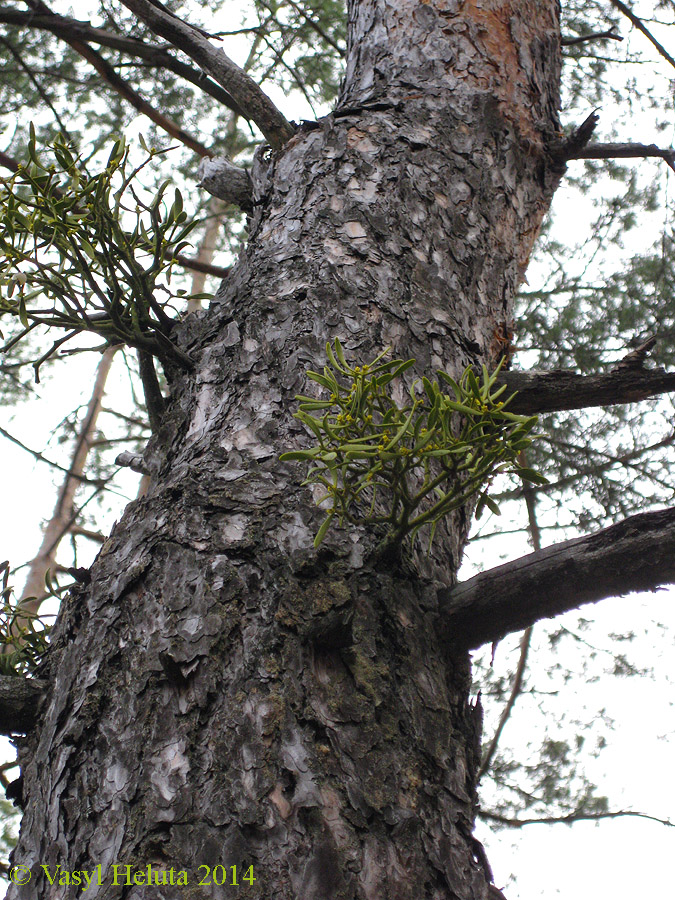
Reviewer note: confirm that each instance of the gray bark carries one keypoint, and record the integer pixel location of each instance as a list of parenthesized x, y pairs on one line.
[(222, 692), (20, 700), (541, 392), (228, 182)]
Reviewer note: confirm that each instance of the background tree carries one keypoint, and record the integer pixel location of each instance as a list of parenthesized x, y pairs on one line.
[(609, 504)]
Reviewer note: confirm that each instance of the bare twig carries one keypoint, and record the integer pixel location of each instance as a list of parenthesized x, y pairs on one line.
[(639, 24), (36, 84), (96, 536), (315, 26), (39, 456), (516, 687), (627, 460), (279, 56), (198, 266), (610, 34), (570, 817)]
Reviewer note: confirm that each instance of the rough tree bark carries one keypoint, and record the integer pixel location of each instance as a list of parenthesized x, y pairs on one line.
[(222, 692)]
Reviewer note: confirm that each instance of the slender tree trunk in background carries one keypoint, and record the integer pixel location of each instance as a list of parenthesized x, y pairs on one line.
[(222, 692), (64, 514), (207, 249)]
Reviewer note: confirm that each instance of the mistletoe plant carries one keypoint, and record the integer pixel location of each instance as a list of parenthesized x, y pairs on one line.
[(24, 635), (407, 466), (83, 252)]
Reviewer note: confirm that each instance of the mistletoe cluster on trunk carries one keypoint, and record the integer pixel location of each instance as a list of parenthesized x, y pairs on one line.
[(407, 466), (84, 252)]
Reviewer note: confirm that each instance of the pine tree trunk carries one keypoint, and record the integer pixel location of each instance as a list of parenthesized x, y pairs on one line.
[(222, 692)]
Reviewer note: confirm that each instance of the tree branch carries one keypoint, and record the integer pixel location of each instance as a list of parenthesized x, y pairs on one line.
[(19, 703), (118, 84), (66, 27), (62, 515), (228, 182), (637, 554), (569, 146), (155, 404), (569, 818), (624, 151), (96, 536), (610, 34), (187, 262), (98, 482), (213, 61), (8, 162), (540, 392), (35, 82), (639, 24)]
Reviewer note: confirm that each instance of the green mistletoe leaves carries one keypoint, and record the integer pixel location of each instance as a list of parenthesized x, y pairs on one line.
[(407, 466), (89, 252)]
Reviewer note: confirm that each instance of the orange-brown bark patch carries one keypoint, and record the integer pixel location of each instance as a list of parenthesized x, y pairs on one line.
[(501, 61)]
